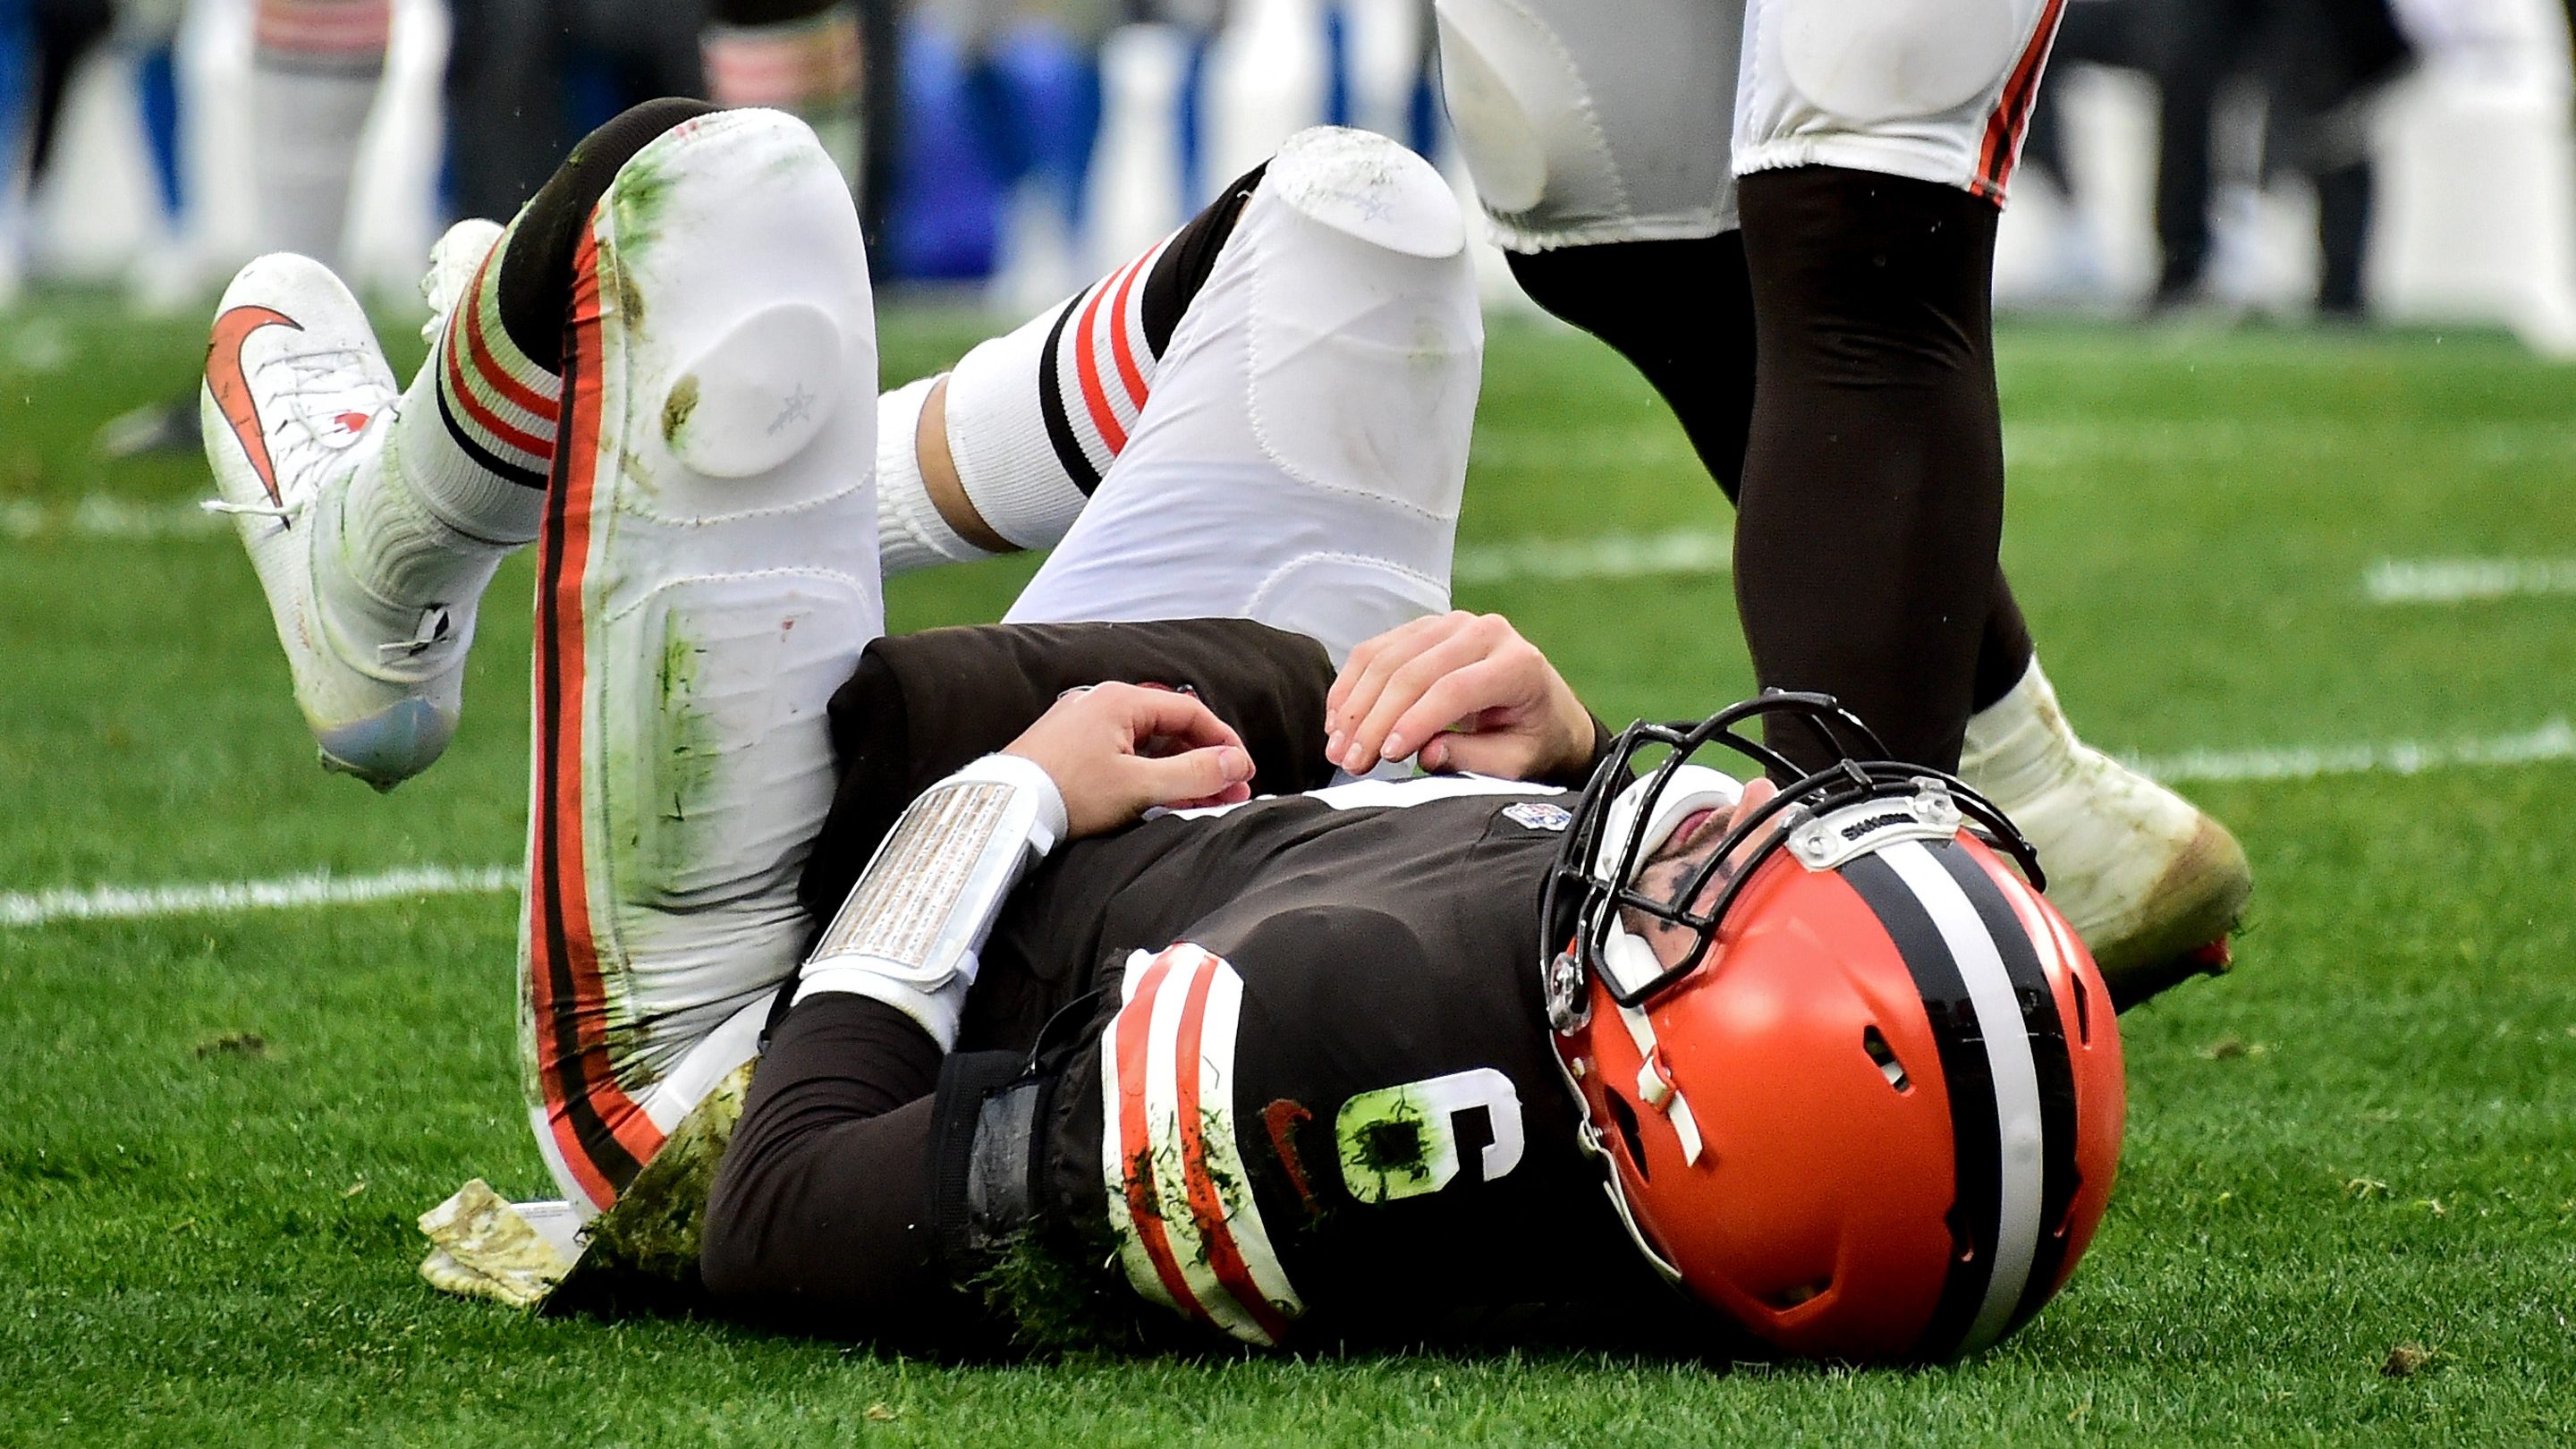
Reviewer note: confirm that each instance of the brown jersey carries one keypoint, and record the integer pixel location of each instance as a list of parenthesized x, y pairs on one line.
[(1296, 1079)]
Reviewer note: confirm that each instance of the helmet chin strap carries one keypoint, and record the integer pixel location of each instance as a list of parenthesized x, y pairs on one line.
[(1628, 959)]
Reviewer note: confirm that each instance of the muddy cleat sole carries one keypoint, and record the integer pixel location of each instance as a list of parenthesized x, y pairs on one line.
[(2150, 882), (2185, 923), (297, 402)]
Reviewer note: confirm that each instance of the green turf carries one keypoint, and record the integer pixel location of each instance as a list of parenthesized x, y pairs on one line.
[(2359, 1142)]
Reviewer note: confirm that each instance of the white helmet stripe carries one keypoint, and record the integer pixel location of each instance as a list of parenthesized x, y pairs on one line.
[(2015, 1075)]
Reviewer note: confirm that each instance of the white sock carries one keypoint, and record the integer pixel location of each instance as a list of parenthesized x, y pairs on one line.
[(911, 531), (2021, 744), (1036, 416), (314, 73), (462, 480)]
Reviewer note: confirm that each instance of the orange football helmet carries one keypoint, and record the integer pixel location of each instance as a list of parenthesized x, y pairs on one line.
[(1873, 1110)]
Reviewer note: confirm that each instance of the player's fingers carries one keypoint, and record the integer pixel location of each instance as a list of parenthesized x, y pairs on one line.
[(1455, 697), (1367, 652), (1181, 721), (1505, 756), (1372, 738), (1193, 775), (1234, 794), (1367, 678)]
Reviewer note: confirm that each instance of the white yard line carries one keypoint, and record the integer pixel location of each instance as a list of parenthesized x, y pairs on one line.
[(1618, 556), (313, 888), (1615, 556), (2463, 580), (2553, 740), (100, 516)]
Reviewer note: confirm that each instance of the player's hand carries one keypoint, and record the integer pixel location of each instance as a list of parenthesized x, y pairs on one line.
[(1456, 691), (1118, 750)]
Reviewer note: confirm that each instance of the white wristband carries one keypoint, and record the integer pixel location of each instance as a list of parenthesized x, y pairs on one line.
[(911, 929)]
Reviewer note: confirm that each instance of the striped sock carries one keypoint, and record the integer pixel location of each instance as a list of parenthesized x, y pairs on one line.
[(463, 476), (315, 65), (807, 66), (1035, 417)]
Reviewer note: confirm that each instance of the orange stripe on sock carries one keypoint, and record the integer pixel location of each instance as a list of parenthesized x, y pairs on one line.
[(1086, 367), (491, 422), (1128, 372), (487, 365)]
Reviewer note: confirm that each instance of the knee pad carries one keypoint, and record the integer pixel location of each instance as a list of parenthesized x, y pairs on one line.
[(1363, 338), (1874, 61), (731, 255), (1523, 115), (1363, 185)]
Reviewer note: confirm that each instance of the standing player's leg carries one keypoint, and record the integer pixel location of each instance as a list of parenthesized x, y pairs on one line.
[(1873, 163), (1593, 145)]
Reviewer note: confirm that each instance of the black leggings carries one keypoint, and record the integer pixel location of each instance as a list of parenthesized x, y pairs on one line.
[(1838, 383)]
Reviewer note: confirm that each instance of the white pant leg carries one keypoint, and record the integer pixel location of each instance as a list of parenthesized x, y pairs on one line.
[(1936, 90), (1302, 456), (1585, 122), (707, 577)]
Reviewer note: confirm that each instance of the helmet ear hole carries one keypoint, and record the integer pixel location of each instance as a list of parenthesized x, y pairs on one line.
[(1624, 1117), (1790, 1297), (1875, 1044)]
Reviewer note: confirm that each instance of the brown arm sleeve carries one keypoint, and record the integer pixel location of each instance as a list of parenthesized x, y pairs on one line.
[(921, 705)]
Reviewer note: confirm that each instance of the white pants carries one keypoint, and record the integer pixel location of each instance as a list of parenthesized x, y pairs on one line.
[(1302, 455), (713, 562), (1585, 123)]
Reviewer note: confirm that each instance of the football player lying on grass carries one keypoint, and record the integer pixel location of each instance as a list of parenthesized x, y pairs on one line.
[(1289, 1065)]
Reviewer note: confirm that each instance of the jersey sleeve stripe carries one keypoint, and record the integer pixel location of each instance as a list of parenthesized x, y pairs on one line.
[(1134, 1218), (1212, 1173), (1163, 1146)]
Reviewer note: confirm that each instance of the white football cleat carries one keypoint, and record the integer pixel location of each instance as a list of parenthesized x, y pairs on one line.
[(2151, 883), (297, 402), (455, 259)]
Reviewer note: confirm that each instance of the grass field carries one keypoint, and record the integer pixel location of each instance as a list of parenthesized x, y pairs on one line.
[(2347, 1210)]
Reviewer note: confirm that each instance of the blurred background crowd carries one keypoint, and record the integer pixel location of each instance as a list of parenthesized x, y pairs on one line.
[(2336, 159)]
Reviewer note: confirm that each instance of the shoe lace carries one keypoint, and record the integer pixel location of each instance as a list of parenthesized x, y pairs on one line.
[(322, 387), (431, 628)]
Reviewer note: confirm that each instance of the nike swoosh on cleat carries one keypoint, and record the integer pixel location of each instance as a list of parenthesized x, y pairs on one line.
[(231, 390)]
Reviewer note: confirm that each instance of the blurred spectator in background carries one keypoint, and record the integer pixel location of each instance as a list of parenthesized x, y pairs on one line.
[(42, 44), (2319, 65), (527, 78), (831, 64)]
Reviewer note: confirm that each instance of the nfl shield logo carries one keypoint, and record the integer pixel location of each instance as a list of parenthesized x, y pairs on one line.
[(1538, 815)]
